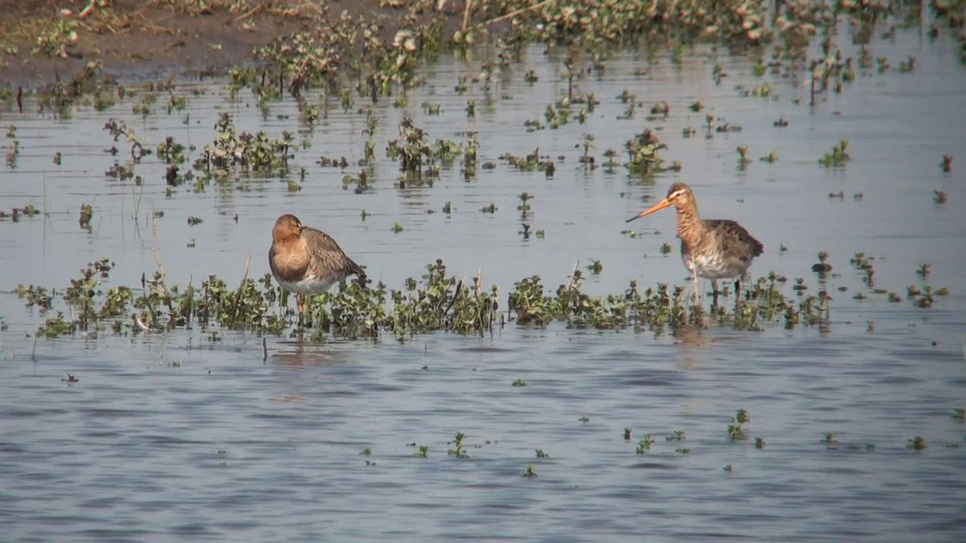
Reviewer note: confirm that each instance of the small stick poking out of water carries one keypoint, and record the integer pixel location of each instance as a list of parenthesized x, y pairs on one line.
[(264, 349)]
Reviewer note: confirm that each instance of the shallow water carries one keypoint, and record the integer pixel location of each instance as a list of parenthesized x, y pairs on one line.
[(174, 437)]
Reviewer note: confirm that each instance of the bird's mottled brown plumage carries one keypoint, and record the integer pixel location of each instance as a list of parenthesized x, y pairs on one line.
[(307, 261), (713, 249)]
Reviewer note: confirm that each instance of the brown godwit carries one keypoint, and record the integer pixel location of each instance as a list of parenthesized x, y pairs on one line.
[(306, 261), (713, 249)]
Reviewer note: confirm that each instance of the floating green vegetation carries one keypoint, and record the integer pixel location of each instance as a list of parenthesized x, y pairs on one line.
[(627, 434), (436, 302), (939, 197), (519, 383), (530, 473), (822, 267), (683, 450), (458, 449), (678, 435), (422, 451), (830, 441), (837, 157), (366, 452), (588, 143), (959, 414), (86, 214), (419, 161), (759, 443), (643, 152), (743, 159), (735, 431), (644, 445), (917, 443), (541, 454), (172, 152), (530, 163)]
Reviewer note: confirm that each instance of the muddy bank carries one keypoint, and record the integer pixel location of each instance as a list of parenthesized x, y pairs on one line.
[(42, 41)]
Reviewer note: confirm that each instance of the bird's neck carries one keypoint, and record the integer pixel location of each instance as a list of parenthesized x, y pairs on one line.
[(690, 227)]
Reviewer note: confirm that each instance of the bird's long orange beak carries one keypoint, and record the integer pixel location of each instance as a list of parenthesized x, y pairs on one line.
[(660, 205)]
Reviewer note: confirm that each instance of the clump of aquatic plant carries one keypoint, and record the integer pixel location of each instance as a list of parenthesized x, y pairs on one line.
[(644, 445), (541, 454), (519, 383), (759, 443), (422, 451), (469, 155), (917, 443), (822, 267), (360, 181), (940, 197), (735, 431), (643, 151), (524, 207), (530, 472), (864, 264), (171, 151), (587, 144), (86, 214), (231, 152), (830, 440), (412, 148), (743, 159), (118, 129), (837, 156), (530, 162), (458, 449), (678, 435)]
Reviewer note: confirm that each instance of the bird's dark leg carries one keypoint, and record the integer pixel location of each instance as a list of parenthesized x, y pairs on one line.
[(714, 292), (737, 288), (300, 300), (694, 277)]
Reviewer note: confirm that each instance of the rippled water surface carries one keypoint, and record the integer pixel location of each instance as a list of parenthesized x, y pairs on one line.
[(174, 437)]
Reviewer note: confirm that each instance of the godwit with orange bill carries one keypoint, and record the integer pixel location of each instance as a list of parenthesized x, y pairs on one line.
[(712, 249)]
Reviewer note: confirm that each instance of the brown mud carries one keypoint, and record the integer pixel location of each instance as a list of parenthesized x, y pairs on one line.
[(166, 37)]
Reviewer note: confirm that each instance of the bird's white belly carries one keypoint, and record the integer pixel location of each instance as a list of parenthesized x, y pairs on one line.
[(306, 286), (710, 267)]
